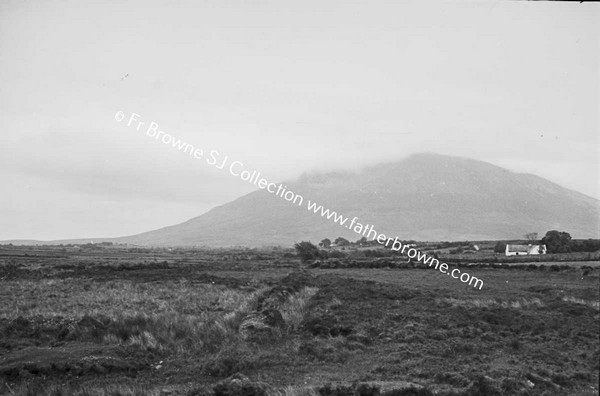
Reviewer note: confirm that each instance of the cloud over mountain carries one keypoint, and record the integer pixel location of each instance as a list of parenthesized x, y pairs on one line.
[(423, 197)]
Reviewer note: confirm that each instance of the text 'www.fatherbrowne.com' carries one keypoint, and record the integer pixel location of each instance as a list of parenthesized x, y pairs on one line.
[(369, 232), (237, 169)]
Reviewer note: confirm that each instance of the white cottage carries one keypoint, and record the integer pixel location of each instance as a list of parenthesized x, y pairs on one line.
[(522, 250)]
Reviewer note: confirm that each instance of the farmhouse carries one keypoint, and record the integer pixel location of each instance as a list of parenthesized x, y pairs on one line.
[(522, 250)]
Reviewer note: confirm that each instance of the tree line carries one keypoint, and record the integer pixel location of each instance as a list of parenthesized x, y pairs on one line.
[(557, 242)]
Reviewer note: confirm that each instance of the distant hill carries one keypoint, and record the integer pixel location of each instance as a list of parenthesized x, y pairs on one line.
[(423, 197)]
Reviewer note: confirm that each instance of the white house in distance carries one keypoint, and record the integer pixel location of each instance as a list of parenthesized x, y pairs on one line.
[(522, 250)]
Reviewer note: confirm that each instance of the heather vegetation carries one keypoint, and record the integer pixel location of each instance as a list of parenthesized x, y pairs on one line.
[(115, 320)]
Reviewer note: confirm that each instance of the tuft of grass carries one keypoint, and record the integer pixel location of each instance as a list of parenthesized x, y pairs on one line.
[(74, 298), (145, 341), (293, 391), (574, 300), (294, 309), (178, 332), (491, 302), (40, 388)]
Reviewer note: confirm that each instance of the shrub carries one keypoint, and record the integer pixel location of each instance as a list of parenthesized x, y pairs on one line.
[(325, 243), (557, 242), (500, 247), (307, 251), (337, 254), (341, 241)]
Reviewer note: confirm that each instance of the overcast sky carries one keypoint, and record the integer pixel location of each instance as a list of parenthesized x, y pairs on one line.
[(283, 86)]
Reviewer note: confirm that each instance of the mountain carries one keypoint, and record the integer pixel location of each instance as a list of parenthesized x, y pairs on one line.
[(423, 197), (427, 197)]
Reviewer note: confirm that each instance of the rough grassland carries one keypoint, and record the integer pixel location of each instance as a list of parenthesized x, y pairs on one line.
[(114, 321)]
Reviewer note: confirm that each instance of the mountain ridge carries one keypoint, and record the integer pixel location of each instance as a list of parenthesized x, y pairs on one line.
[(422, 197)]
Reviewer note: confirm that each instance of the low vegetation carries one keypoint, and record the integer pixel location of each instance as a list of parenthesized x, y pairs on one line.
[(110, 321)]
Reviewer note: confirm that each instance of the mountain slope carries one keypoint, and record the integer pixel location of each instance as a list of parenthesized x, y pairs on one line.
[(424, 197)]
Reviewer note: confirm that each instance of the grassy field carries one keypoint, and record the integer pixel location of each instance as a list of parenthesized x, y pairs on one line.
[(116, 321)]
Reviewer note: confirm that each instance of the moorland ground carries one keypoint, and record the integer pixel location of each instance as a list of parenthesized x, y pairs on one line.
[(118, 321)]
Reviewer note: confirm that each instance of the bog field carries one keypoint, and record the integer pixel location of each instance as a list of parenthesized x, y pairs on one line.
[(129, 321)]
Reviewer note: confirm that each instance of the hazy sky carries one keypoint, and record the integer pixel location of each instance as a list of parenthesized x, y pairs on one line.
[(283, 86)]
